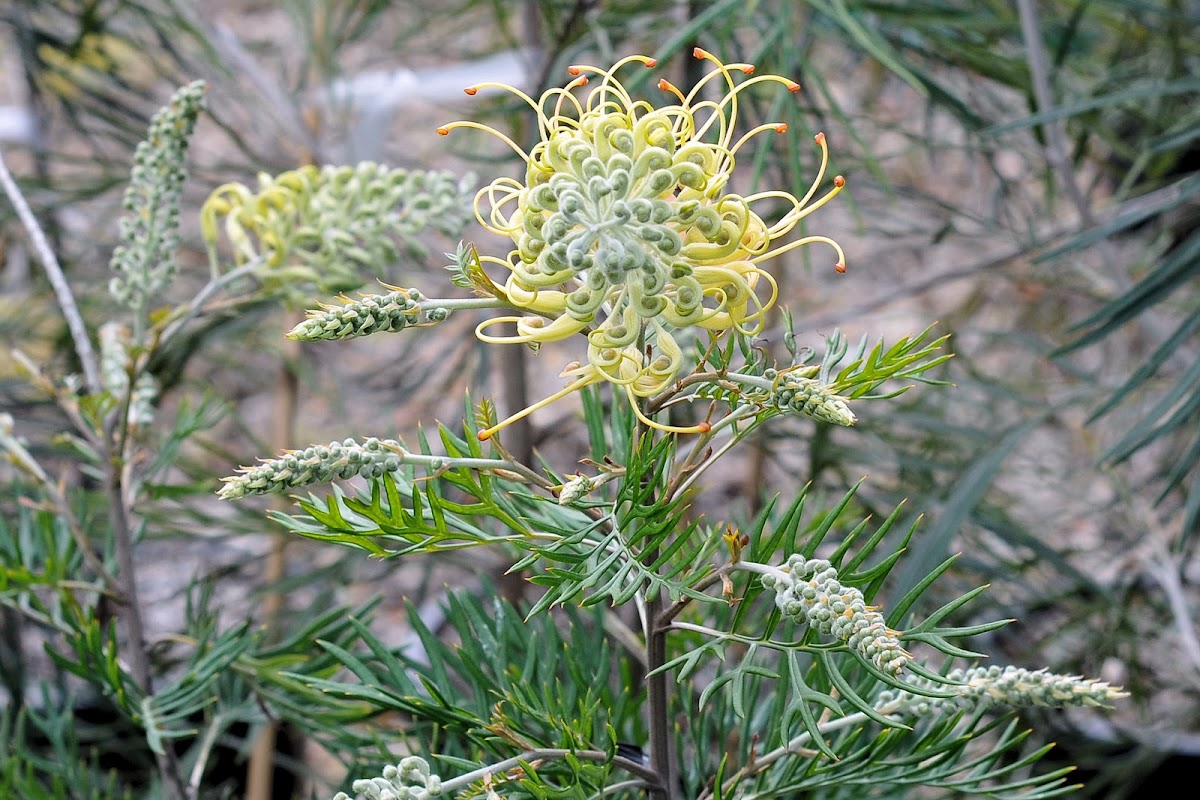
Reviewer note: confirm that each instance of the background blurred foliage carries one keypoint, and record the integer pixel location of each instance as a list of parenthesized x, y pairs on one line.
[(1058, 242)]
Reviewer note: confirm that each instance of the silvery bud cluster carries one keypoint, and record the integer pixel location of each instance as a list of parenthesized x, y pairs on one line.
[(809, 592), (343, 460), (409, 780), (144, 263), (796, 393), (141, 402), (114, 374), (391, 312), (114, 358), (981, 687), (575, 489)]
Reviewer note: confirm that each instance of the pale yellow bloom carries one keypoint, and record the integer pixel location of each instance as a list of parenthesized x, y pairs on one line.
[(623, 228)]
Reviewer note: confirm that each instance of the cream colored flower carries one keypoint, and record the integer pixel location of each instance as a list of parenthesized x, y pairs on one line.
[(624, 230)]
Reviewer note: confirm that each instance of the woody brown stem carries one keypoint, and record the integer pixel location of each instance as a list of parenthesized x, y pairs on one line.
[(259, 771)]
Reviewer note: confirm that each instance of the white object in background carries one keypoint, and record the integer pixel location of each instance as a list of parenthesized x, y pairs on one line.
[(376, 95), (17, 125)]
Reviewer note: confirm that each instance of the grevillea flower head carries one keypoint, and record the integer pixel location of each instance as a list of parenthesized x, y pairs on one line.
[(624, 228)]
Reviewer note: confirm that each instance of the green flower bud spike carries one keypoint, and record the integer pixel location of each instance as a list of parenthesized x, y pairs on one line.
[(794, 391), (342, 460), (809, 592), (317, 464), (981, 687), (395, 311), (144, 263)]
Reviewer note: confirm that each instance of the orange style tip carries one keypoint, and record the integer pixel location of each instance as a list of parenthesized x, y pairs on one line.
[(484, 435), (840, 267), (704, 427), (664, 84), (748, 69), (792, 86), (651, 63), (839, 181), (443, 131), (781, 127), (700, 52), (820, 138), (471, 90), (574, 69)]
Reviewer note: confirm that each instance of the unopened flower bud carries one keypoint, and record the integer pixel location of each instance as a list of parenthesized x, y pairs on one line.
[(809, 592)]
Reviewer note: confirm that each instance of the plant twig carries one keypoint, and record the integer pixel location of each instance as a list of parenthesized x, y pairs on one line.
[(185, 315), (1056, 138), (1164, 569), (662, 758), (460, 782), (130, 612), (205, 750), (767, 759), (260, 770), (58, 281)]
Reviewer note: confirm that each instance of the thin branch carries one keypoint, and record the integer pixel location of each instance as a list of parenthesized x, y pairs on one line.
[(205, 750), (260, 772), (661, 756), (694, 473), (1164, 569), (184, 316), (1054, 131), (130, 613), (62, 291), (767, 759), (460, 782)]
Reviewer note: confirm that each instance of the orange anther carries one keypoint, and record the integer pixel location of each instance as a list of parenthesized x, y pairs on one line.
[(664, 84), (574, 70), (652, 62), (840, 267), (443, 131), (781, 127), (483, 436), (792, 86), (471, 90), (700, 52), (839, 181), (748, 69), (820, 138), (704, 427)]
